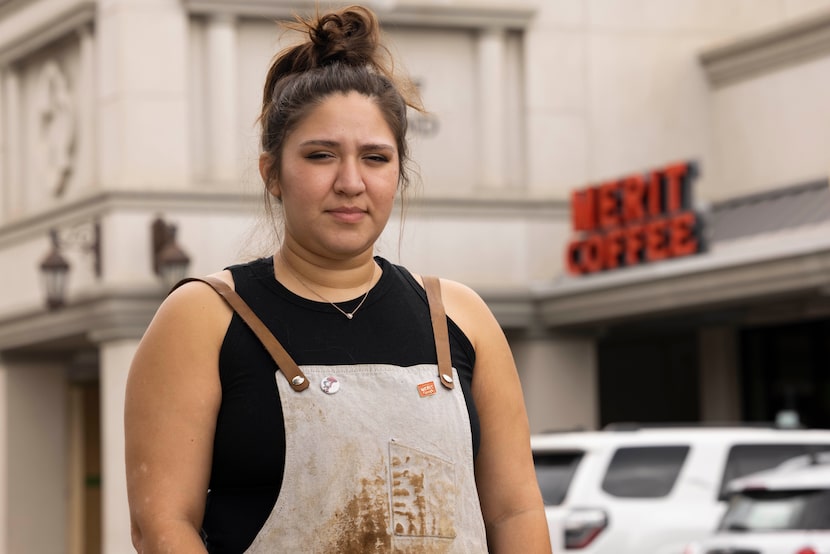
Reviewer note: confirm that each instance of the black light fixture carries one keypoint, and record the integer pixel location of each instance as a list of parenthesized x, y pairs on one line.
[(55, 268), (170, 262)]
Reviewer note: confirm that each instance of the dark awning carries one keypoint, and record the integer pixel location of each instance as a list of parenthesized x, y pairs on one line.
[(770, 211)]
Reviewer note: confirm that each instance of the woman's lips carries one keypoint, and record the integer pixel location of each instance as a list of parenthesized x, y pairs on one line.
[(347, 215)]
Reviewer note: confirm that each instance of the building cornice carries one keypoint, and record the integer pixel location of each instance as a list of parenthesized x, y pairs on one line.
[(105, 315), (503, 14), (777, 266), (768, 50), (26, 27), (206, 201), (513, 309), (98, 204)]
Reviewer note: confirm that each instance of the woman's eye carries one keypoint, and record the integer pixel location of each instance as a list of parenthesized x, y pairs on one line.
[(319, 155), (377, 158)]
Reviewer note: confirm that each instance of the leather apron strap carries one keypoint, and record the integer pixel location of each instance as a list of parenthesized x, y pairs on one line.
[(292, 371), (289, 368), (439, 329)]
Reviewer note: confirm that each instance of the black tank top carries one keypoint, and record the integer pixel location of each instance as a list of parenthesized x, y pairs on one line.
[(392, 327)]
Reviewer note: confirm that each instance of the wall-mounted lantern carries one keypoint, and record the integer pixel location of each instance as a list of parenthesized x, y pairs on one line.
[(170, 262), (55, 268)]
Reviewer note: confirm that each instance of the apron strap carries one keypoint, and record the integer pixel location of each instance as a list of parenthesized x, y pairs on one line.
[(296, 378), (439, 329)]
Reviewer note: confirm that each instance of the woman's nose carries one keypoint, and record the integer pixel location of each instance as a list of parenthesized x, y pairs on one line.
[(349, 179)]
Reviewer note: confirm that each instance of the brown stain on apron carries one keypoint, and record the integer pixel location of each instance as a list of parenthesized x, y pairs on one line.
[(408, 500), (362, 525)]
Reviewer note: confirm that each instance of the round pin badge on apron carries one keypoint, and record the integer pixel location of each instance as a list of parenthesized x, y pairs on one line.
[(330, 385)]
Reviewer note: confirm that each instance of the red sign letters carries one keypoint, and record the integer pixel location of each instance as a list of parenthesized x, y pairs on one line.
[(636, 219)]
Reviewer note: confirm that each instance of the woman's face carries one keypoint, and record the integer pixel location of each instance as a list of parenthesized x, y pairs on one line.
[(338, 178)]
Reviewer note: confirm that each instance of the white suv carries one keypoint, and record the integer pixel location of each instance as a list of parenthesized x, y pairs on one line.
[(785, 510), (632, 490)]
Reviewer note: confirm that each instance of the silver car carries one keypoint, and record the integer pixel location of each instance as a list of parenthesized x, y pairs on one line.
[(636, 489), (785, 510)]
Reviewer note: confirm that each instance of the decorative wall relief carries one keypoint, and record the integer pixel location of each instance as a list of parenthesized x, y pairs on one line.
[(422, 124), (56, 127)]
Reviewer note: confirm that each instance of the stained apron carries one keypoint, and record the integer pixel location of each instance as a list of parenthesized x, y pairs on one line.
[(376, 466), (378, 457)]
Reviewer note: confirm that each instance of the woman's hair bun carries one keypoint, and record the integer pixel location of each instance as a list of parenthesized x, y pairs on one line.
[(350, 36)]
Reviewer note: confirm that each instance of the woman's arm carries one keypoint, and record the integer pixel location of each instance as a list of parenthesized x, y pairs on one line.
[(511, 503), (172, 400)]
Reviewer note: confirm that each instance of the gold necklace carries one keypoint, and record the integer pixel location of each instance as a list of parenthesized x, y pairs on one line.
[(349, 315)]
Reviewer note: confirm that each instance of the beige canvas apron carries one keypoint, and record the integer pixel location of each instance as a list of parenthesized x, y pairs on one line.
[(378, 457)]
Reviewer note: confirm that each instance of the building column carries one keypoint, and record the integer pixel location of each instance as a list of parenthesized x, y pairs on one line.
[(142, 95), (559, 379), (222, 101), (4, 457), (75, 464), (492, 52), (4, 141), (11, 202), (85, 90), (33, 455), (720, 394), (115, 359)]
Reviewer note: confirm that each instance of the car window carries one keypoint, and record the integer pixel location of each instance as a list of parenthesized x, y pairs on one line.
[(644, 472), (744, 459), (554, 471), (762, 510)]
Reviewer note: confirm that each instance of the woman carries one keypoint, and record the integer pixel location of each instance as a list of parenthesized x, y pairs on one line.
[(397, 422)]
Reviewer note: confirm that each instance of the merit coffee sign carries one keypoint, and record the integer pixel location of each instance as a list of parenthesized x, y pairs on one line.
[(635, 219)]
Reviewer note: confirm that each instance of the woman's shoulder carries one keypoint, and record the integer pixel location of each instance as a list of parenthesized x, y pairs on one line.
[(451, 291), (462, 304), (185, 334), (462, 300), (195, 302)]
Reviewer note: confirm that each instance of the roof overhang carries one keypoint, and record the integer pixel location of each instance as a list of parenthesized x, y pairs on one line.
[(27, 26), (105, 315), (776, 265), (497, 14)]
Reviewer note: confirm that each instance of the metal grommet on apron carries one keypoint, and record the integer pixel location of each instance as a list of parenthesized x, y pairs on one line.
[(385, 467)]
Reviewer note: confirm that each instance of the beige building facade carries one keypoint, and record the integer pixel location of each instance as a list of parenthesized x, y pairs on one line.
[(117, 113)]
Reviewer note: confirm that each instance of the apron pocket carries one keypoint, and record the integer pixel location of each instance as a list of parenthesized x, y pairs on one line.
[(423, 490)]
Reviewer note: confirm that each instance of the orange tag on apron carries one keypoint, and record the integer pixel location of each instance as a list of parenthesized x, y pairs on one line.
[(426, 389)]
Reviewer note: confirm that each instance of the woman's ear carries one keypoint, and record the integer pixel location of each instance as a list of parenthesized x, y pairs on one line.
[(266, 166)]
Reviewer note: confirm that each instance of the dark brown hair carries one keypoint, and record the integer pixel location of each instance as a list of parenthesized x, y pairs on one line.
[(342, 53)]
